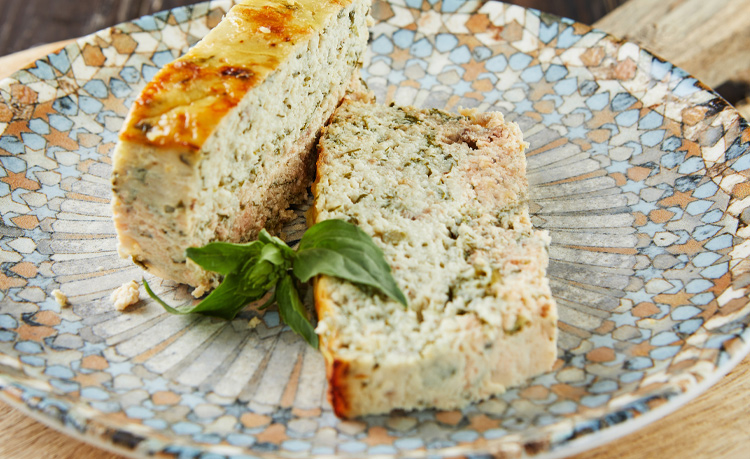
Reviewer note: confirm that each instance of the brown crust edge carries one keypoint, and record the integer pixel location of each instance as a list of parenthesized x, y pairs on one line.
[(337, 370)]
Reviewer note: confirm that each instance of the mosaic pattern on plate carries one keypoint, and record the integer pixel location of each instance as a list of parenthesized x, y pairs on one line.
[(639, 173)]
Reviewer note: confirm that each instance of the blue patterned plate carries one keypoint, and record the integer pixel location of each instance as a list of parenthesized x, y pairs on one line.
[(639, 173)]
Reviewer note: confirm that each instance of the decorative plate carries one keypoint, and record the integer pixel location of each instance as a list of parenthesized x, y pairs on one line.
[(639, 173)]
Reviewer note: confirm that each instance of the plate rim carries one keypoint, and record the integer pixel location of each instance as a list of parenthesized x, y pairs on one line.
[(605, 435)]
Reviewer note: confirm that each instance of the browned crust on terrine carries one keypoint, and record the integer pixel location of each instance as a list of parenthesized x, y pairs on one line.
[(186, 100), (337, 370)]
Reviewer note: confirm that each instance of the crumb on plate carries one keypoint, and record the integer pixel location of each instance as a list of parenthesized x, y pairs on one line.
[(125, 295), (254, 322), (199, 291), (60, 297)]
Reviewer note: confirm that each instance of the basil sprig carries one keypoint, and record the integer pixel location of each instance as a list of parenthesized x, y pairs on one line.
[(331, 247)]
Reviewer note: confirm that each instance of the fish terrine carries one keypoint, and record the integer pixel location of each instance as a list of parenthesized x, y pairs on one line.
[(445, 197), (221, 141)]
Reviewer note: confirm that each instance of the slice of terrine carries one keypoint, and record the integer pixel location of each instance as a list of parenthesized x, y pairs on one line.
[(445, 197), (220, 143)]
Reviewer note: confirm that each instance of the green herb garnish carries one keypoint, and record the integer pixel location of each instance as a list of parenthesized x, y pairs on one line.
[(332, 247)]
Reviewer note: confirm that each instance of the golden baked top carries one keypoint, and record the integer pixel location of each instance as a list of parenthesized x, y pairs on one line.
[(186, 99)]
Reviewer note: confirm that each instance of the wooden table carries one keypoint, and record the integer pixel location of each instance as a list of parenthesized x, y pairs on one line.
[(713, 45)]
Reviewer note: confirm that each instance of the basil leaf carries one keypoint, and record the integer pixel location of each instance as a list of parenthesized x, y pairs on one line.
[(348, 266), (330, 229), (272, 254), (261, 277), (265, 237), (332, 247), (292, 311), (339, 235), (263, 273), (224, 301), (224, 257), (340, 249)]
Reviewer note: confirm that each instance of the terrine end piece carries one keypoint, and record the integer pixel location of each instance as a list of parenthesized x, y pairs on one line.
[(221, 141)]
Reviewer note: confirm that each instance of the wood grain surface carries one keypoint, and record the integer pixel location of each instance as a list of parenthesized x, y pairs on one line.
[(715, 425), (709, 39)]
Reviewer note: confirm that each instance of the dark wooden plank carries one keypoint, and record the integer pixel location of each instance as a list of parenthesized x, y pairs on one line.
[(709, 40), (27, 23), (711, 43), (585, 11)]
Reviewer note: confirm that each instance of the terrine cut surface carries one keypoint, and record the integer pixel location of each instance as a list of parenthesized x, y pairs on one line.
[(221, 141), (445, 197)]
